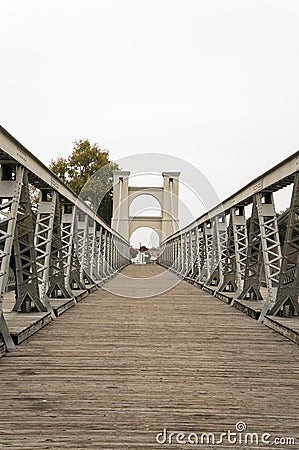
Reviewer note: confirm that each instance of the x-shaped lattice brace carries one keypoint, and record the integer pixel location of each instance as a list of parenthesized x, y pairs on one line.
[(83, 247), (192, 255), (109, 254), (254, 258), (103, 253), (114, 262), (121, 253), (16, 240), (264, 252), (288, 286), (25, 255), (183, 255), (200, 252), (176, 265), (93, 250), (195, 255), (174, 261), (100, 262), (116, 258), (186, 254), (50, 264), (217, 248), (167, 256), (207, 252), (11, 178), (236, 249), (70, 259)]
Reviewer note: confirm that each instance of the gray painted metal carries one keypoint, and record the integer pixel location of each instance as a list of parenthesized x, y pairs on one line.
[(56, 249), (229, 260)]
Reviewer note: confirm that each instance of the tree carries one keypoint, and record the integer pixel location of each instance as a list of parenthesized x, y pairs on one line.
[(88, 171)]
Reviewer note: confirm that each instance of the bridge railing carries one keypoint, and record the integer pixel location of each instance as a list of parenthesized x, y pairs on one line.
[(228, 252), (61, 246)]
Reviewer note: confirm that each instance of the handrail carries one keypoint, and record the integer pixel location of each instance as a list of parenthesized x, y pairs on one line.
[(273, 179), (42, 176)]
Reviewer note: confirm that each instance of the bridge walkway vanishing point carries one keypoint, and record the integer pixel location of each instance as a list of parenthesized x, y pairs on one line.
[(112, 372)]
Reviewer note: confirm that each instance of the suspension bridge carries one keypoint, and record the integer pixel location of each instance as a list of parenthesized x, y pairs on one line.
[(198, 349)]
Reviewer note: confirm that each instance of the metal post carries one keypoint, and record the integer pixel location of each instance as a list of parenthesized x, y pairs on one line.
[(236, 248), (253, 270), (264, 251), (25, 255), (217, 251), (48, 245), (11, 178), (207, 252), (288, 286), (69, 245), (200, 256)]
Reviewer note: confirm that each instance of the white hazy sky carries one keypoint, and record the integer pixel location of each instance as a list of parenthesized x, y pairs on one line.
[(213, 82)]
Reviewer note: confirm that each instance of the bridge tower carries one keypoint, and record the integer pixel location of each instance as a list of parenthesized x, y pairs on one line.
[(167, 196)]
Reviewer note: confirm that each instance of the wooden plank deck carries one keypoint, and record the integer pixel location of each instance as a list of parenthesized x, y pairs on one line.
[(22, 326), (114, 371)]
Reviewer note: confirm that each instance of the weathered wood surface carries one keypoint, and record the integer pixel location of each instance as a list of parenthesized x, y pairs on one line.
[(113, 371)]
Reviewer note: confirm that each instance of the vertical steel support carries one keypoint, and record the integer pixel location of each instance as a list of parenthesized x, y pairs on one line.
[(288, 286), (113, 254), (11, 179), (253, 270), (218, 251), (263, 250), (189, 268), (186, 255), (100, 269), (176, 253), (70, 258), (92, 250), (199, 252), (48, 245), (207, 252), (117, 255), (83, 248), (25, 255), (270, 244), (174, 265), (181, 259), (192, 253), (236, 248), (105, 253), (108, 253)]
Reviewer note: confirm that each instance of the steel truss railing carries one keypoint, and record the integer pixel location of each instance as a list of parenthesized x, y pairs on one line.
[(226, 252), (54, 250)]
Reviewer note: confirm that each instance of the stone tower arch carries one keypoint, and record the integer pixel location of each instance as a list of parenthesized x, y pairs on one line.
[(167, 196)]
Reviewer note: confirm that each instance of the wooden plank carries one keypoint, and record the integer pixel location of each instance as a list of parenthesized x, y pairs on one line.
[(91, 287), (252, 308), (114, 371), (22, 326), (60, 305), (288, 327), (80, 294)]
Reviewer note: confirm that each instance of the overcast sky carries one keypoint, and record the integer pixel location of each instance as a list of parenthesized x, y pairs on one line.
[(214, 82)]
